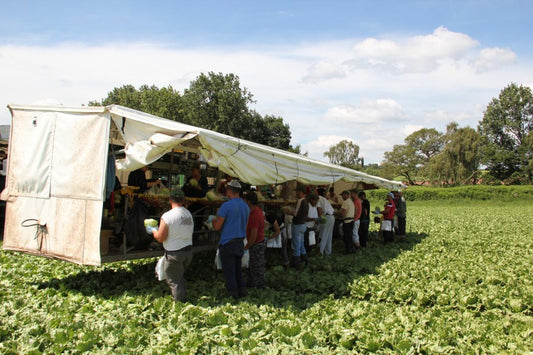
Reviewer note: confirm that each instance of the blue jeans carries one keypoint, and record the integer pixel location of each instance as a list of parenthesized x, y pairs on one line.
[(230, 257), (298, 246)]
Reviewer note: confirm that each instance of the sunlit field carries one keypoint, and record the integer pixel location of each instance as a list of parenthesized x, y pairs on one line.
[(460, 281)]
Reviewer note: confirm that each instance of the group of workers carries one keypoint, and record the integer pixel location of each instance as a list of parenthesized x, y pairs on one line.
[(243, 224)]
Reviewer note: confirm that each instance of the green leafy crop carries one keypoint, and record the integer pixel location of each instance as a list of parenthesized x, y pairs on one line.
[(459, 282)]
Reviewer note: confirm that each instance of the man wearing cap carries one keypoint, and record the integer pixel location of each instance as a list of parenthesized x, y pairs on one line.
[(347, 212), (231, 220), (388, 218), (175, 232)]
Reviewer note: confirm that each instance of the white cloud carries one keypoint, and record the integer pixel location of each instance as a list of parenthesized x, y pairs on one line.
[(321, 144), (326, 91), (492, 58), (417, 54), (324, 71), (367, 112)]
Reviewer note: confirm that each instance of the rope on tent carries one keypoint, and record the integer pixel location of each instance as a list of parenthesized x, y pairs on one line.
[(239, 146), (297, 170), (276, 166), (40, 233)]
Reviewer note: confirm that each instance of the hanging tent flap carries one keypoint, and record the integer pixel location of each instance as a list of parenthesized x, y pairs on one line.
[(147, 137)]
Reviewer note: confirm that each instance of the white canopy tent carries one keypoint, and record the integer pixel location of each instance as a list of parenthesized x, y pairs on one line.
[(149, 137), (58, 163)]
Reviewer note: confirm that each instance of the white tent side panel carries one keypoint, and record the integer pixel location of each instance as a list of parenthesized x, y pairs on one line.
[(72, 228), (56, 177)]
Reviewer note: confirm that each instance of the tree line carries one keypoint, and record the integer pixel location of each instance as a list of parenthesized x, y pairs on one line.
[(213, 101), (499, 150)]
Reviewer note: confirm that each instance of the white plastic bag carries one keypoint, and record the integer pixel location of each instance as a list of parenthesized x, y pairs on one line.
[(245, 261), (218, 262), (160, 274), (312, 239), (274, 242), (386, 226)]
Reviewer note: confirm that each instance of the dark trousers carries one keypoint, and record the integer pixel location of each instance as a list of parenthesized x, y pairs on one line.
[(401, 226), (363, 232), (230, 257), (347, 230), (174, 268), (256, 268), (388, 236)]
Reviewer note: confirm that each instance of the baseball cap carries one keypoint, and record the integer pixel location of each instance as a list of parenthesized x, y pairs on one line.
[(235, 184)]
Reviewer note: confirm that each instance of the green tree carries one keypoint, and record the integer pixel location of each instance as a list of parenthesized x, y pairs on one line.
[(412, 158), (278, 133), (217, 102), (402, 161), (164, 102), (505, 130), (376, 170), (344, 153), (426, 143), (458, 162), (213, 101)]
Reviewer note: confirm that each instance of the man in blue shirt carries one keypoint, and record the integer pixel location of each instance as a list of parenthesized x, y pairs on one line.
[(231, 220)]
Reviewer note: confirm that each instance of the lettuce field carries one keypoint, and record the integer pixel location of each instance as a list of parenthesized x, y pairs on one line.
[(461, 281)]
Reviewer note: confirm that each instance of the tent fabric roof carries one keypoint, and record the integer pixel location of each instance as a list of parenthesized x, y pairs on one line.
[(148, 137)]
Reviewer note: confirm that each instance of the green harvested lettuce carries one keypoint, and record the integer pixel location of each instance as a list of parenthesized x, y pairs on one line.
[(150, 222)]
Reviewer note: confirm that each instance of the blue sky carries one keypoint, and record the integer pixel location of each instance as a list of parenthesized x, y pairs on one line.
[(369, 71)]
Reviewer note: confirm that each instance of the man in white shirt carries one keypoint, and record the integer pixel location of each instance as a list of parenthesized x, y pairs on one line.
[(357, 216), (326, 229), (175, 232)]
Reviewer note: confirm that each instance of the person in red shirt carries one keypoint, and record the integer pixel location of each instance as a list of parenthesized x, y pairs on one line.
[(255, 242), (388, 218)]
